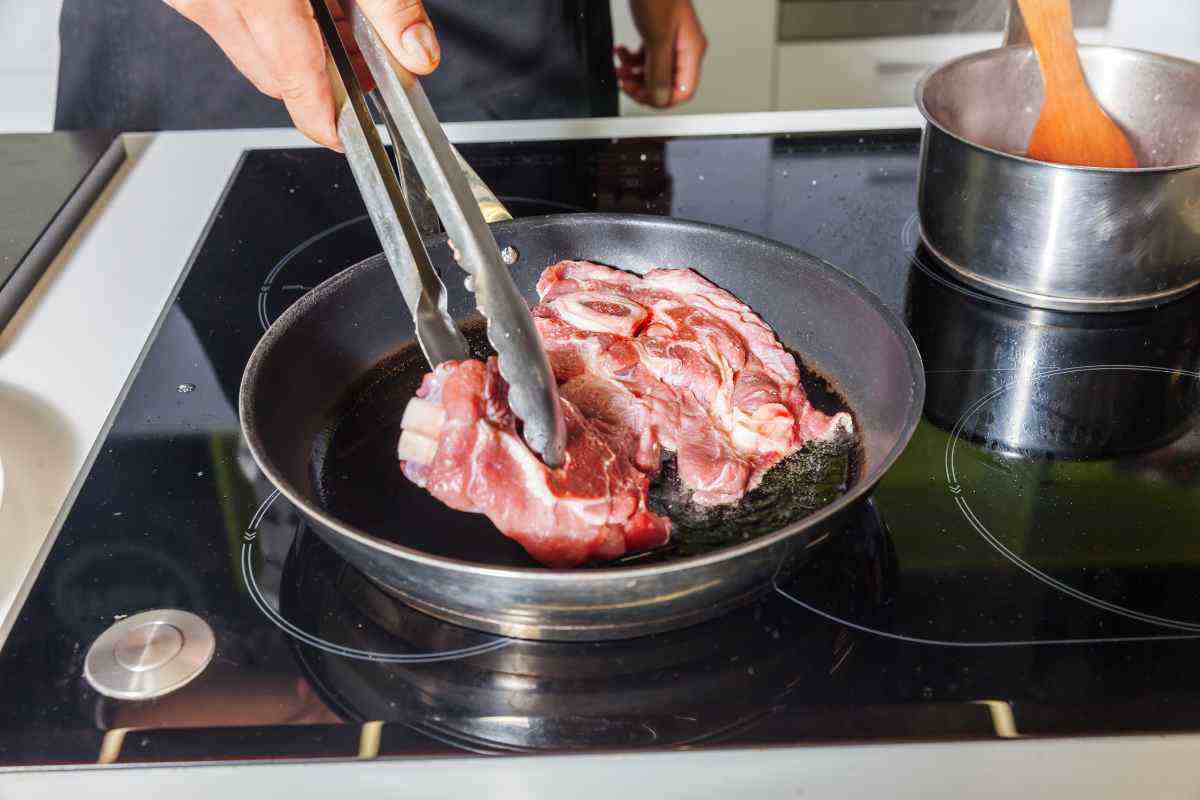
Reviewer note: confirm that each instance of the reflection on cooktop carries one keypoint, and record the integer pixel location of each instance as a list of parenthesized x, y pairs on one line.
[(1060, 410), (1052, 436), (1071, 386), (478, 692)]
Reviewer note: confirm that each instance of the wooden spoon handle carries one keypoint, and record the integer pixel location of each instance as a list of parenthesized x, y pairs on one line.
[(1052, 32)]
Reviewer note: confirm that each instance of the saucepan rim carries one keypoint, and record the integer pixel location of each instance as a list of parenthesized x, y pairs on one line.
[(856, 493), (934, 72)]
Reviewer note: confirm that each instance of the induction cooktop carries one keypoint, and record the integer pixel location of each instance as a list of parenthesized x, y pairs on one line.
[(1028, 567)]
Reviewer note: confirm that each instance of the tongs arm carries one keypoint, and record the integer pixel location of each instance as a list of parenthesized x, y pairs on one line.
[(533, 393), (419, 282)]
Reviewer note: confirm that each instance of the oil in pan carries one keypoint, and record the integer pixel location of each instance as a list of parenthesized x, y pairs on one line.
[(359, 479)]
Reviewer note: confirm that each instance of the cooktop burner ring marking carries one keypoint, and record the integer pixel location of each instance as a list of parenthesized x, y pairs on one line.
[(269, 281), (1174, 637), (247, 564), (976, 523), (909, 235)]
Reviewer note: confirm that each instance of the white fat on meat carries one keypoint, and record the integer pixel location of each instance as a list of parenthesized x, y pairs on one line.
[(695, 351), (419, 429), (459, 440), (761, 431), (423, 416), (600, 312), (416, 448), (839, 425)]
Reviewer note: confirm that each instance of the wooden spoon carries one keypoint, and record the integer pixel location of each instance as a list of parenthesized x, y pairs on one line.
[(1073, 128)]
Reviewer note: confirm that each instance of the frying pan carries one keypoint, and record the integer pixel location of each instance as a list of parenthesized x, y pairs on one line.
[(328, 346)]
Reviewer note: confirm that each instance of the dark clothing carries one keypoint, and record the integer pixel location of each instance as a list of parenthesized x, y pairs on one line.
[(139, 65)]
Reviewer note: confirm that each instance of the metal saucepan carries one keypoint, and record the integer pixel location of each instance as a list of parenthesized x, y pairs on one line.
[(1055, 236), (975, 346), (455, 566)]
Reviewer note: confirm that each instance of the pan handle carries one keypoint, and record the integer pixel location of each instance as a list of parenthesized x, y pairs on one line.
[(1015, 33), (420, 204), (493, 210)]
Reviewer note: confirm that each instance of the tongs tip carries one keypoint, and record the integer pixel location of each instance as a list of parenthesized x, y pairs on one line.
[(533, 393)]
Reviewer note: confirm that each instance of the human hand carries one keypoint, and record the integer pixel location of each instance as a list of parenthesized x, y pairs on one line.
[(665, 70), (277, 45)]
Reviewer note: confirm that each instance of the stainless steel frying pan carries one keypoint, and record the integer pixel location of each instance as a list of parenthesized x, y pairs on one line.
[(319, 364)]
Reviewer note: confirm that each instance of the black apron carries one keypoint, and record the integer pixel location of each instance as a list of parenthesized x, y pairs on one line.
[(137, 65)]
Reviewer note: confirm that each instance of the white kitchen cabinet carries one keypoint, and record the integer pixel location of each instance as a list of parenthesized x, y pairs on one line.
[(867, 73), (28, 64)]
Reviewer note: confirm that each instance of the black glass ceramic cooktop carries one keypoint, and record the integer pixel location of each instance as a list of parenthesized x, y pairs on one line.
[(1028, 568)]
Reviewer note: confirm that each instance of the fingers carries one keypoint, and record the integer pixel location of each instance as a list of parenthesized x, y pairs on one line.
[(290, 42), (630, 73), (666, 70), (690, 46), (628, 58), (407, 31), (659, 71)]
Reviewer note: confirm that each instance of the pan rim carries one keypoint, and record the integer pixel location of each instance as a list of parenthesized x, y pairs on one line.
[(855, 494)]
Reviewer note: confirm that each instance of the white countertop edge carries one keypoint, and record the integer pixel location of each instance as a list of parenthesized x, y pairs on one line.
[(838, 120), (817, 121), (1145, 767)]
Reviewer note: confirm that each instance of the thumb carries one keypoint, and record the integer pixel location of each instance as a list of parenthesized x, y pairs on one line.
[(660, 70), (407, 31)]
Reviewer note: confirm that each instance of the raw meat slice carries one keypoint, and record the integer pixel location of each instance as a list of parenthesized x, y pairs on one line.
[(645, 365), (675, 361), (460, 442)]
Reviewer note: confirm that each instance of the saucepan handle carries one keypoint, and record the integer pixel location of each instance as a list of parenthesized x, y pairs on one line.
[(493, 210), (1015, 32)]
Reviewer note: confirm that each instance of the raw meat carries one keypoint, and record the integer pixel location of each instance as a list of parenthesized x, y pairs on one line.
[(461, 443), (646, 365), (678, 364)]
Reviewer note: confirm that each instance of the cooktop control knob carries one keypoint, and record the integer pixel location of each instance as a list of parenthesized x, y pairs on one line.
[(149, 654)]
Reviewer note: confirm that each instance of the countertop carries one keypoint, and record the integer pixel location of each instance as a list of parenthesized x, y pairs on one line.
[(65, 363)]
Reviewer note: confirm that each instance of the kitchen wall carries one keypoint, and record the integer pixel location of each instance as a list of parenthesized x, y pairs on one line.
[(746, 69), (1164, 26), (28, 63)]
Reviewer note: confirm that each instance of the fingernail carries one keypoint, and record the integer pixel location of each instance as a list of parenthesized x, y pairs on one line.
[(419, 42), (662, 95)]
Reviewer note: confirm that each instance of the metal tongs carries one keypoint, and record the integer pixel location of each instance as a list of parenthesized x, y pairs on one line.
[(418, 138)]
